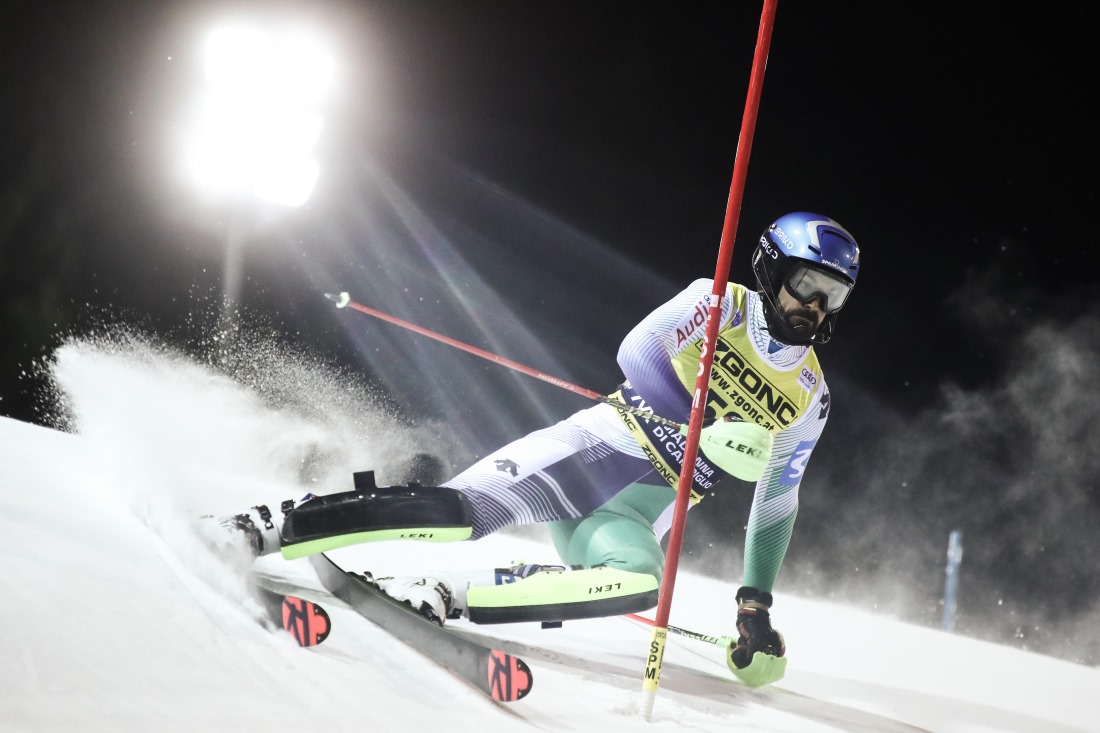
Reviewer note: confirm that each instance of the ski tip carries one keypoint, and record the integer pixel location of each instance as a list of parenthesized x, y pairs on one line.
[(307, 622), (510, 678), (340, 299)]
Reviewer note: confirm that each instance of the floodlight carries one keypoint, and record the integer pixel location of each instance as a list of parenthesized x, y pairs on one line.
[(257, 121)]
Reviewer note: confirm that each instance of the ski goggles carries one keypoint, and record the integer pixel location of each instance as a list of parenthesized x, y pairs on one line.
[(807, 282)]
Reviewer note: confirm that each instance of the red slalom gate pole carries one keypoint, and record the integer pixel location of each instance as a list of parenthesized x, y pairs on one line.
[(655, 657), (343, 300)]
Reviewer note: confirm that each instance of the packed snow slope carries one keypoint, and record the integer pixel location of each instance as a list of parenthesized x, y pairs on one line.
[(116, 618)]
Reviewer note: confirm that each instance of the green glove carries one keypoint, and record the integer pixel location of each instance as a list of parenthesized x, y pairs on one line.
[(739, 448), (763, 670)]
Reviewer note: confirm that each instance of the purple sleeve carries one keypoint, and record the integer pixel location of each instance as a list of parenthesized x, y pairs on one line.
[(645, 355)]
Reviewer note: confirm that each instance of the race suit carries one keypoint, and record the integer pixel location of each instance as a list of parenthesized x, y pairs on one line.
[(606, 478)]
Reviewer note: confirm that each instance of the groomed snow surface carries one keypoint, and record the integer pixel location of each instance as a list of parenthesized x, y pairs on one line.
[(116, 619)]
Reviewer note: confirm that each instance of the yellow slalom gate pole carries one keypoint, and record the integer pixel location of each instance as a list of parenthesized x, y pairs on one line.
[(655, 656)]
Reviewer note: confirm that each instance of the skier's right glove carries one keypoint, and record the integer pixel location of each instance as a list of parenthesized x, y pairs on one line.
[(754, 628)]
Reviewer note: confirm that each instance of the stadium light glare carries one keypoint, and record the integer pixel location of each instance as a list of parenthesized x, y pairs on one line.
[(258, 120)]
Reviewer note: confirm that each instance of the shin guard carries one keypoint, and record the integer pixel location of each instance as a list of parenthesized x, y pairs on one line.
[(371, 513)]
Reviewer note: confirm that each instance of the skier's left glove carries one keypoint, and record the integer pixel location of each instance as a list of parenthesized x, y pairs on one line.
[(755, 658), (739, 448)]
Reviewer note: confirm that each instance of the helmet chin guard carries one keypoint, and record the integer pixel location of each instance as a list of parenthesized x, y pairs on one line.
[(790, 242)]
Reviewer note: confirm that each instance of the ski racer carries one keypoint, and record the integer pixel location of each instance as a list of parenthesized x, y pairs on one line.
[(605, 478)]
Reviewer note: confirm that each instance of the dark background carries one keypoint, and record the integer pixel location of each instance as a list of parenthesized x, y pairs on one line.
[(533, 177)]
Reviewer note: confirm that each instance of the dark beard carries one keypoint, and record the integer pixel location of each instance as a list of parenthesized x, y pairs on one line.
[(802, 320)]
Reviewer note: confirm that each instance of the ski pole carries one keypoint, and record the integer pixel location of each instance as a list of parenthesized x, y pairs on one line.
[(723, 641), (343, 300)]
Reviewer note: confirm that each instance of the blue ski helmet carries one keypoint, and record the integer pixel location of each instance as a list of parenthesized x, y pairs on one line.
[(813, 256)]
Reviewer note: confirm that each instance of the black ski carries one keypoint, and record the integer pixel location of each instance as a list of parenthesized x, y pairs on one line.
[(307, 622), (499, 675)]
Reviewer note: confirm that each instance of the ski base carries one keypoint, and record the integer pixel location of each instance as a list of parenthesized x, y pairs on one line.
[(496, 673)]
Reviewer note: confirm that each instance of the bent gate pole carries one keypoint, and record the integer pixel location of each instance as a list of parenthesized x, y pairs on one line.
[(652, 677)]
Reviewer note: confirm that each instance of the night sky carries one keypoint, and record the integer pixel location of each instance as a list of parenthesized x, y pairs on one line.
[(957, 145)]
